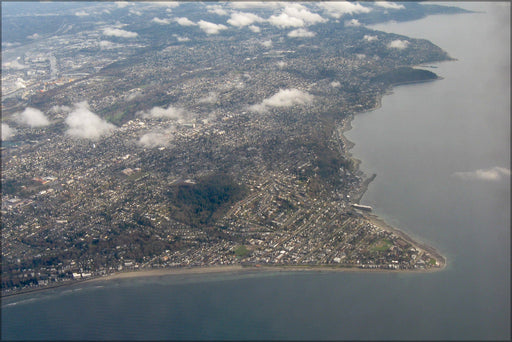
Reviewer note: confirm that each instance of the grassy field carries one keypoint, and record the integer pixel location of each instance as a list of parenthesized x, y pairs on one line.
[(381, 246)]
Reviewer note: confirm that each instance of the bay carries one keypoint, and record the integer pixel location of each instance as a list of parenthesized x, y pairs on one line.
[(425, 144)]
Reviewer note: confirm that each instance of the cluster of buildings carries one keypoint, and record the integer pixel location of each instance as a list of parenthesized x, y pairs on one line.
[(76, 208)]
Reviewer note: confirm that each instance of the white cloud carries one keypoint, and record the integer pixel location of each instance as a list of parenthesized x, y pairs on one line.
[(388, 4), (240, 19), (9, 44), (335, 84), (169, 4), (119, 33), (16, 65), (105, 44), (353, 22), (211, 98), (154, 139), (300, 12), (81, 14), (295, 15), (161, 21), (182, 39), (34, 36), (82, 123), (337, 9), (60, 109), (255, 4), (494, 174), (185, 22), (254, 28), (300, 33), (281, 64), (7, 132), (267, 43), (133, 94), (398, 44), (211, 28), (216, 9), (119, 24), (121, 4), (32, 117), (370, 38), (284, 20), (170, 112), (20, 83), (133, 11), (283, 98)]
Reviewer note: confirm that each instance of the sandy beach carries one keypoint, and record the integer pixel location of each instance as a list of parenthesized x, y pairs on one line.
[(168, 271), (233, 269), (227, 269)]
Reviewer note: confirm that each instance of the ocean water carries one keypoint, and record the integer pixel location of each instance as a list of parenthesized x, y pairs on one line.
[(426, 144)]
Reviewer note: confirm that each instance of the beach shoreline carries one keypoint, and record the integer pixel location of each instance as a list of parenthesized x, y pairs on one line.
[(229, 269), (345, 125), (418, 244), (223, 269)]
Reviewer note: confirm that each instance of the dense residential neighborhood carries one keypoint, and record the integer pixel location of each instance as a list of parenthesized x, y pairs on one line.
[(172, 147)]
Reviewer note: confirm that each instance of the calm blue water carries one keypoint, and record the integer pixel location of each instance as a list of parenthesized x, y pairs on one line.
[(425, 144)]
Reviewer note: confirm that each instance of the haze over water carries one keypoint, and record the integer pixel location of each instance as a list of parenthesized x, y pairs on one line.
[(425, 144)]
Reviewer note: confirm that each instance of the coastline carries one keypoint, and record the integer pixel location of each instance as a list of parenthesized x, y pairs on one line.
[(418, 81), (222, 269), (239, 268), (233, 269), (345, 125), (374, 219)]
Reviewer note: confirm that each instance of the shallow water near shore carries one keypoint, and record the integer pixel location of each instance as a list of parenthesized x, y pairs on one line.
[(266, 305), (425, 144)]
